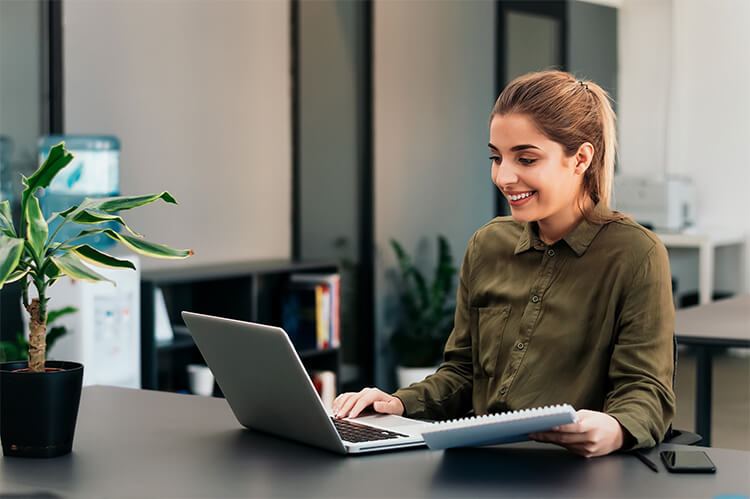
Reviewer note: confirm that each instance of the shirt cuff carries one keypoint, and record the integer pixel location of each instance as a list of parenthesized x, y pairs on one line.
[(640, 437), (413, 406)]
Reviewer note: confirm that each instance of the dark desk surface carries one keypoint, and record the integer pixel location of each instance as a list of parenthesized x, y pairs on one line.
[(136, 443)]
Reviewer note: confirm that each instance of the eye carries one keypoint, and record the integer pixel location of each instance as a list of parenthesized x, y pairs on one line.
[(495, 159), (526, 161)]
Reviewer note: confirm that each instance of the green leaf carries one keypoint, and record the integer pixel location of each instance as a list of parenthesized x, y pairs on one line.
[(54, 334), (36, 230), (119, 203), (75, 268), (16, 275), (89, 217), (53, 315), (11, 249), (6, 219), (96, 257), (57, 159), (51, 270), (139, 245)]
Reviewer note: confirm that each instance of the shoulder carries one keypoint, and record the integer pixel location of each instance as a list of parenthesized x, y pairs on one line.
[(629, 237), (497, 235), (500, 225)]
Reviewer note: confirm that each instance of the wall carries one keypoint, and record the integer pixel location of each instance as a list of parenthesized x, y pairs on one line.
[(684, 104), (330, 70), (21, 99), (592, 44), (434, 89), (199, 94)]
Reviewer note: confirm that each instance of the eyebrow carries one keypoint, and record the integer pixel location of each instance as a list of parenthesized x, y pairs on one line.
[(516, 148)]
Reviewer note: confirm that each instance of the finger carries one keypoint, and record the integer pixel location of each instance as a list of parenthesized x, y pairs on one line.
[(339, 402), (364, 402), (347, 405), (557, 437), (576, 427)]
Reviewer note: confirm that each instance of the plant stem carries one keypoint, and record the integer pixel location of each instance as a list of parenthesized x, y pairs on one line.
[(52, 237), (37, 329), (25, 291)]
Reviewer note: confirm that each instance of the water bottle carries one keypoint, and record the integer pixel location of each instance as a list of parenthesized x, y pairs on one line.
[(93, 172)]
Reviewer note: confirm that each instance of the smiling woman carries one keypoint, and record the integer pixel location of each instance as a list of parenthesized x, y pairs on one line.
[(565, 301)]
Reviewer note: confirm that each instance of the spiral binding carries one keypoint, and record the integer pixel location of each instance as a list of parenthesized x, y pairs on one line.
[(503, 416)]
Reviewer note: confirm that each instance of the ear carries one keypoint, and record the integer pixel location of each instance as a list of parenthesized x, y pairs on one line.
[(583, 158)]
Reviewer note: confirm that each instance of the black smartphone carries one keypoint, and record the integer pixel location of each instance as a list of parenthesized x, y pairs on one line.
[(687, 461)]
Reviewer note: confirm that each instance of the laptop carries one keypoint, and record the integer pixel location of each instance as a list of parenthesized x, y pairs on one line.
[(268, 389)]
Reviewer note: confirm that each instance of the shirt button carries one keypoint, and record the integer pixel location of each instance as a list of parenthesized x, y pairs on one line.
[(550, 252), (535, 299), (519, 346), (503, 390)]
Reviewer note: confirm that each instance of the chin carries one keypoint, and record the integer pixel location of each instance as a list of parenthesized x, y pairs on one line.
[(523, 215)]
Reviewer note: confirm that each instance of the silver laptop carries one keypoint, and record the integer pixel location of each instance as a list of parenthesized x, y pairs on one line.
[(268, 389)]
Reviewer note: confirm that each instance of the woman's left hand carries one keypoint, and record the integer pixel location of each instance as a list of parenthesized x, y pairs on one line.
[(594, 434)]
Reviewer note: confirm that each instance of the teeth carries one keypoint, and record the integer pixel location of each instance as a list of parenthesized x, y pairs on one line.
[(514, 197)]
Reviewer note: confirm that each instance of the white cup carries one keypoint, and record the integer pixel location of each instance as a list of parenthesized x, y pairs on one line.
[(200, 379)]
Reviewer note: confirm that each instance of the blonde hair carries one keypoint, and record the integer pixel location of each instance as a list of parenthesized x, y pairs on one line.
[(570, 112)]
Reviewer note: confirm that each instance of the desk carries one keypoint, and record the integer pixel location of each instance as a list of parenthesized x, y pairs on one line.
[(705, 243), (717, 325), (138, 443)]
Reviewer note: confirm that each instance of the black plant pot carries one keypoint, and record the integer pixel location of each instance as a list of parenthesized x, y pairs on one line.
[(38, 411)]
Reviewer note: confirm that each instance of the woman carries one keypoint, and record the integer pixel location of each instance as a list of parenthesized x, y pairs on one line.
[(565, 301)]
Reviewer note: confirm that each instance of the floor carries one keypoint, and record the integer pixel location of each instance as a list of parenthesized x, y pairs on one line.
[(730, 418)]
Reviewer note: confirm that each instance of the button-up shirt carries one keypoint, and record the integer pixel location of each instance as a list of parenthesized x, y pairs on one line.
[(588, 320)]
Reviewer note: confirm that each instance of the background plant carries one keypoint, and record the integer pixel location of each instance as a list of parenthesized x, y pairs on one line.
[(18, 349), (32, 256), (426, 309)]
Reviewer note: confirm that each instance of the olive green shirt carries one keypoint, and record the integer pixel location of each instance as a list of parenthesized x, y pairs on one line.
[(587, 321)]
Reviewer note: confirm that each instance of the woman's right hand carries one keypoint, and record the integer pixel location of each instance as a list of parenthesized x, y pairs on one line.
[(351, 404)]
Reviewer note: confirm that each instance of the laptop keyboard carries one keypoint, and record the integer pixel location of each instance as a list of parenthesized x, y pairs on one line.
[(356, 432)]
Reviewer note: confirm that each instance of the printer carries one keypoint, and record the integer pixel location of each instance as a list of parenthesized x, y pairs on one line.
[(666, 205)]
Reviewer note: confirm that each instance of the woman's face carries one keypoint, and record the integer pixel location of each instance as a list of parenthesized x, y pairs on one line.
[(536, 177)]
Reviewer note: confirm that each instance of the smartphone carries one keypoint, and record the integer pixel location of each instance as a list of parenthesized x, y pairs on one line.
[(687, 461)]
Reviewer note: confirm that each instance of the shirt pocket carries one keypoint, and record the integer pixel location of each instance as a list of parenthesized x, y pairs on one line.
[(487, 327)]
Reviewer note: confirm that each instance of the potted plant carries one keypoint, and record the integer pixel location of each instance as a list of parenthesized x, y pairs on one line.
[(39, 399), (426, 315)]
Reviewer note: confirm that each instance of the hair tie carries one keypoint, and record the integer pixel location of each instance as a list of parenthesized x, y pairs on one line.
[(584, 85)]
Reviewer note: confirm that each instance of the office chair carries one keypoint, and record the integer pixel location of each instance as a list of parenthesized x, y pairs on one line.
[(674, 436)]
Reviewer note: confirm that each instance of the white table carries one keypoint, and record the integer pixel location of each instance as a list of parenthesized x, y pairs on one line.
[(706, 244)]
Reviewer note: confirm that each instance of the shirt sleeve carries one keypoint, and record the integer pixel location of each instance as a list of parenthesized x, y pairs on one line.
[(447, 393), (642, 364)]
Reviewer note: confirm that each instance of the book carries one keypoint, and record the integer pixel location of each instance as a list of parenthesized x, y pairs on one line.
[(299, 316), (325, 384), (328, 305), (492, 429)]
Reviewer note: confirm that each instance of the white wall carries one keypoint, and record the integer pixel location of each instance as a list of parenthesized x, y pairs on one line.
[(199, 94), (434, 66), (684, 101)]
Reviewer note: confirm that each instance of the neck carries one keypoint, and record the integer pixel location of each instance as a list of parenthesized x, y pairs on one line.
[(555, 227)]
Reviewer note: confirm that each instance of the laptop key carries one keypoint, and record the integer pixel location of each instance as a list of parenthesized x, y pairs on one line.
[(357, 432)]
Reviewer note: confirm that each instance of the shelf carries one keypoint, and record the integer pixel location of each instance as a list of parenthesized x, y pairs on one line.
[(245, 290), (230, 270)]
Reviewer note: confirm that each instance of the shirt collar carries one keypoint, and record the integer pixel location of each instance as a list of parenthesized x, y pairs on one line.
[(579, 239)]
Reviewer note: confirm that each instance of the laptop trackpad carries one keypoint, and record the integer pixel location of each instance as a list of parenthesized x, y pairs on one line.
[(390, 421)]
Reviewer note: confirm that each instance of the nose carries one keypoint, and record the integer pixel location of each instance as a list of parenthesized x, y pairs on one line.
[(503, 175)]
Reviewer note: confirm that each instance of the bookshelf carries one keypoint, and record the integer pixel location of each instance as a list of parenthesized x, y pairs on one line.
[(249, 291)]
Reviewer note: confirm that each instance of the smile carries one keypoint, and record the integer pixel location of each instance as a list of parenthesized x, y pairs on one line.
[(518, 197)]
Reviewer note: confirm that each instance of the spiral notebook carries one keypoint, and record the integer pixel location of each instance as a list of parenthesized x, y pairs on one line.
[(492, 429)]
